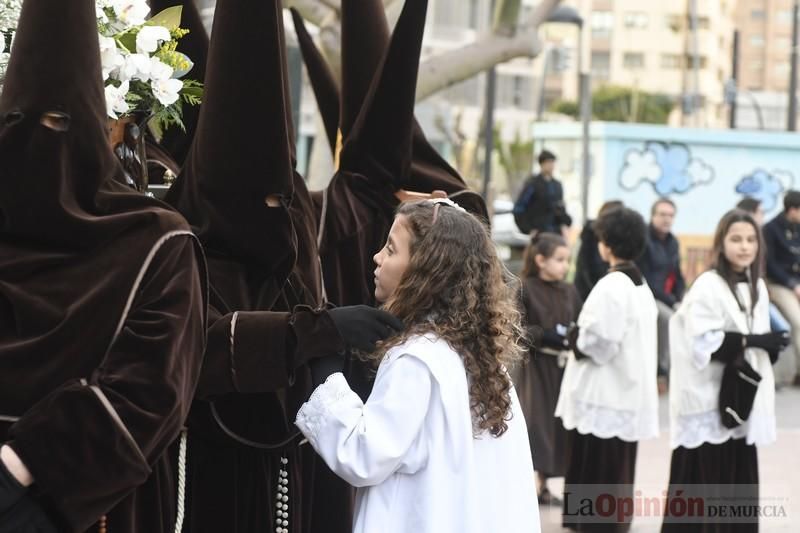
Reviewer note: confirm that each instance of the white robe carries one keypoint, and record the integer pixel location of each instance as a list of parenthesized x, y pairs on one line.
[(412, 453), (613, 393), (696, 332)]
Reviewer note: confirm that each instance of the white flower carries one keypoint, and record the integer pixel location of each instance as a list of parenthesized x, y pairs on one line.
[(130, 12), (99, 13), (110, 58), (166, 91), (115, 99), (148, 37), (137, 66), (159, 71)]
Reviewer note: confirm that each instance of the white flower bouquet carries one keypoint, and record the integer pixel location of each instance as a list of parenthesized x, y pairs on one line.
[(143, 73)]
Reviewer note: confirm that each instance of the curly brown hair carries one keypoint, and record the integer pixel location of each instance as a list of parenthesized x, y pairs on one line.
[(456, 287)]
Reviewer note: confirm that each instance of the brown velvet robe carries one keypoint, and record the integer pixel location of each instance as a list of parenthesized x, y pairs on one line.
[(102, 293)]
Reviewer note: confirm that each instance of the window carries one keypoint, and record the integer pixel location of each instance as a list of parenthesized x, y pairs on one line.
[(702, 61), (784, 16), (636, 20), (757, 14), (514, 91), (602, 23), (757, 41), (673, 22), (601, 65), (676, 61), (633, 60), (671, 61), (783, 43), (782, 69)]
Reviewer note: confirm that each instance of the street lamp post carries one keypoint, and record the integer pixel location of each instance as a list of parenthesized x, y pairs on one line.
[(569, 15), (792, 122)]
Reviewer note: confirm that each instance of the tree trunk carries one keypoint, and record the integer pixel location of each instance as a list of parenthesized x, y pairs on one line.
[(454, 66)]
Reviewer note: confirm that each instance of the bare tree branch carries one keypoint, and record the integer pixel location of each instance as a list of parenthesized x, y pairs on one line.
[(454, 66)]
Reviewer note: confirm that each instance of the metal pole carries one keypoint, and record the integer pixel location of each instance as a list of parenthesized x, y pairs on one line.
[(792, 122), (586, 116), (491, 83), (735, 78), (548, 53), (580, 56), (757, 107)]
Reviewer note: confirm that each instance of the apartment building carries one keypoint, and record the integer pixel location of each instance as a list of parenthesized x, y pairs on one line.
[(765, 33), (650, 46)]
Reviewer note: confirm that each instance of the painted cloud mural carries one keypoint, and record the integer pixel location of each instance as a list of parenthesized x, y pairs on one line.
[(668, 167), (765, 186)]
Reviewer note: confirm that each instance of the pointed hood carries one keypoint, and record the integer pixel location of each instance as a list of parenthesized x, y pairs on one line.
[(365, 36), (241, 154), (326, 90), (379, 144), (194, 45), (56, 164)]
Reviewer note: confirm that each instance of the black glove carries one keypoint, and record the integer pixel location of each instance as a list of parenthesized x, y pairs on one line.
[(11, 490), (732, 347), (362, 326), (27, 516), (771, 342), (552, 339), (20, 512), (572, 338), (322, 367)]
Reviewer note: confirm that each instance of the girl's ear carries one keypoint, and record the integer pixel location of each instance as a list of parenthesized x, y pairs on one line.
[(539, 260)]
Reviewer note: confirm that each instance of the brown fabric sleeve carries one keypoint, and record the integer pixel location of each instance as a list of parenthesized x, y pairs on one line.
[(267, 349), (90, 442)]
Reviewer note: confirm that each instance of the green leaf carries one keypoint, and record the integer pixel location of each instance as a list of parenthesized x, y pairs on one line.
[(170, 18), (128, 41), (155, 128)]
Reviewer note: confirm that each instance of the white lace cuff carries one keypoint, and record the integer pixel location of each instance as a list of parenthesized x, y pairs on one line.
[(316, 412)]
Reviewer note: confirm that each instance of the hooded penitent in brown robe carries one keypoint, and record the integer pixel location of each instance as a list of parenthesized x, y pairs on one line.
[(359, 206), (266, 322), (102, 298)]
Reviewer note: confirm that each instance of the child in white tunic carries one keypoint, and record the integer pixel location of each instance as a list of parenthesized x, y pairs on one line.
[(441, 445), (724, 318), (609, 397)]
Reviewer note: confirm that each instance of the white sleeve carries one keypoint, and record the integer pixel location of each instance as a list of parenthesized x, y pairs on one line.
[(705, 345), (602, 323), (706, 323), (365, 443)]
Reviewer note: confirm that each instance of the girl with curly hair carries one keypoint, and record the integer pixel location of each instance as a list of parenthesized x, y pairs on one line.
[(441, 443)]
